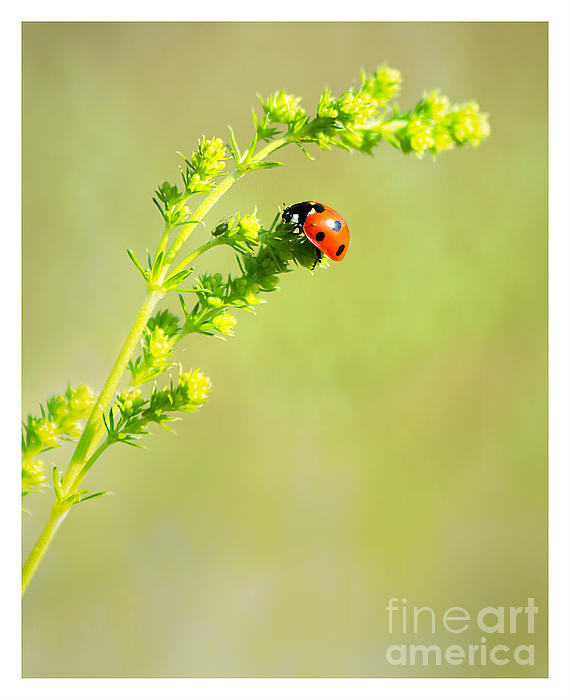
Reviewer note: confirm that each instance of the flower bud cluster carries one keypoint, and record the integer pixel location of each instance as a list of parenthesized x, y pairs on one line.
[(437, 125), (382, 86), (158, 341), (239, 232), (128, 419), (190, 392), (282, 108), (59, 421), (357, 120), (205, 164), (218, 295)]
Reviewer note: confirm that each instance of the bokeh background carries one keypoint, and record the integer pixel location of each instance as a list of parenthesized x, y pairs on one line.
[(378, 430)]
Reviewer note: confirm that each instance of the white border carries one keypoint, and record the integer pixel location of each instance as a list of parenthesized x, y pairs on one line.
[(557, 686)]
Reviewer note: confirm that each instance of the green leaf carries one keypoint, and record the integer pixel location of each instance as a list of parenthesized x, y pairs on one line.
[(95, 495), (160, 208), (56, 485), (234, 147), (309, 156), (137, 264), (105, 421), (188, 163), (265, 165), (157, 264), (388, 136), (81, 496), (74, 498), (185, 222), (183, 305), (175, 280), (248, 156)]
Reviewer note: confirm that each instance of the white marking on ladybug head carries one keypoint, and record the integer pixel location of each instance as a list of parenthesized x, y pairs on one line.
[(295, 218)]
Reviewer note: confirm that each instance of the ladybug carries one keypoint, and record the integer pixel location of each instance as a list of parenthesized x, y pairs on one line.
[(323, 226)]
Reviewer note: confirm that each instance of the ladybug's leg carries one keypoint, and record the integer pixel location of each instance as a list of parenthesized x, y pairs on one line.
[(318, 258)]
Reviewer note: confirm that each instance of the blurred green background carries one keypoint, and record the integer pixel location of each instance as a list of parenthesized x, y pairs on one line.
[(377, 430)]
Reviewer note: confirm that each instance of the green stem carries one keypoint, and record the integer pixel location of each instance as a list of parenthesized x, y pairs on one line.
[(57, 516), (202, 249), (95, 428), (87, 466)]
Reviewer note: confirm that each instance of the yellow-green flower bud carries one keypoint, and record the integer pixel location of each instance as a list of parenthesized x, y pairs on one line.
[(82, 400), (283, 108), (47, 432), (33, 474), (327, 108), (208, 161), (126, 399), (224, 323), (436, 106), (442, 140), (468, 125), (383, 85), (72, 428), (159, 344), (195, 385), (355, 109), (249, 226), (420, 135)]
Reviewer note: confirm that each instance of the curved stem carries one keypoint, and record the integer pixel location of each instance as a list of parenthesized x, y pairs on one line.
[(201, 249), (57, 516), (94, 428), (87, 466)]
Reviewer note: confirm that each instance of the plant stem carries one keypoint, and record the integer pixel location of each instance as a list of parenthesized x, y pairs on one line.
[(57, 516), (94, 428), (87, 466), (201, 249)]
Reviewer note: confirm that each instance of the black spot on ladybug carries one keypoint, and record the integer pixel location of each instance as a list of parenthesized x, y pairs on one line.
[(336, 226), (320, 236), (319, 208), (340, 249)]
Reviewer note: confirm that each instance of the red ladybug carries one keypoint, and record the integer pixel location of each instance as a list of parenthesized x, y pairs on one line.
[(323, 226)]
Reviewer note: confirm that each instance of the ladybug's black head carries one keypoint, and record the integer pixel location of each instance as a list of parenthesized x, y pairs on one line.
[(297, 213), (287, 215)]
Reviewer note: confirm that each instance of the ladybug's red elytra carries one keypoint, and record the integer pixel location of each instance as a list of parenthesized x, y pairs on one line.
[(323, 226)]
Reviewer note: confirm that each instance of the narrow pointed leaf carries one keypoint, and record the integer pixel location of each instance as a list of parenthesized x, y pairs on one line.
[(161, 210), (252, 145), (176, 279), (157, 264), (309, 156), (184, 158), (95, 495), (234, 147), (265, 165), (56, 487), (183, 305), (137, 264)]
